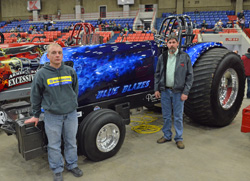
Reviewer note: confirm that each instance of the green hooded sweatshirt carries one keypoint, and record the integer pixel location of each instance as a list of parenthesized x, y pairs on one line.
[(55, 90)]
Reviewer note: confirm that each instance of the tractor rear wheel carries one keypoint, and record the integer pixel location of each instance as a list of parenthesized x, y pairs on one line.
[(218, 88)]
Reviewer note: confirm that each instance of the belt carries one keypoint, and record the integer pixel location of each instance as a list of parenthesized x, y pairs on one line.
[(171, 88)]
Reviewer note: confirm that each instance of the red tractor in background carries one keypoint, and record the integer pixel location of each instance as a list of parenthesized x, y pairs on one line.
[(20, 61)]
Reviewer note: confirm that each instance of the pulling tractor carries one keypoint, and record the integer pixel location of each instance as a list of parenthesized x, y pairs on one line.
[(114, 78)]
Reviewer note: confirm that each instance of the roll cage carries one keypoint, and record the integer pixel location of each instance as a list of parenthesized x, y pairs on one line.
[(183, 27)]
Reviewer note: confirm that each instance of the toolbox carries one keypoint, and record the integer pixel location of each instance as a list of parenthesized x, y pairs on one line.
[(32, 140), (245, 127)]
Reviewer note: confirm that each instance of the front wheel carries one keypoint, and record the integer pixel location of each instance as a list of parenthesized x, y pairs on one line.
[(103, 134)]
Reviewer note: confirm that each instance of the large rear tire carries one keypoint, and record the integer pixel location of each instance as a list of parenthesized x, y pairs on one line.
[(218, 88)]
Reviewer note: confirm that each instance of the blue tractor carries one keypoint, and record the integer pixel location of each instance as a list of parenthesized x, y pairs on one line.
[(116, 77)]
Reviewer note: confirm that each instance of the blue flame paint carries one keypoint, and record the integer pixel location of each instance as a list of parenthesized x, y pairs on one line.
[(196, 50), (98, 64)]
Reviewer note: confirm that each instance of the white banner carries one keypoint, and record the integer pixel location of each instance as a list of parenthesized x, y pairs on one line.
[(123, 2)]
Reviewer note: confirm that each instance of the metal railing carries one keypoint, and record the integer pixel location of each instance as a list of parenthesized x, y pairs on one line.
[(52, 17), (110, 15)]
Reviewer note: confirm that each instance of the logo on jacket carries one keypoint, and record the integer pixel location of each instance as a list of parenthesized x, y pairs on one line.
[(55, 81), (182, 64)]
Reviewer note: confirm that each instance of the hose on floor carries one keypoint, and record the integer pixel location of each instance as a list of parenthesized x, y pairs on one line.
[(142, 124)]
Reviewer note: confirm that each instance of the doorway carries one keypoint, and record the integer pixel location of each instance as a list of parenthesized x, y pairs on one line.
[(103, 10), (149, 7)]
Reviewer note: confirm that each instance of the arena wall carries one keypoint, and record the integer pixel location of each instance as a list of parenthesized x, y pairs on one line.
[(11, 9)]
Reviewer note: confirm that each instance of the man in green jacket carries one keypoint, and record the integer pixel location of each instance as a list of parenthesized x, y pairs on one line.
[(55, 89)]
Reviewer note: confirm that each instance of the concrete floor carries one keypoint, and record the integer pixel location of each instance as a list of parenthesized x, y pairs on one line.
[(210, 154)]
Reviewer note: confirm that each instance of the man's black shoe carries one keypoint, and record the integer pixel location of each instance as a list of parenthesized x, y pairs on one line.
[(76, 172), (58, 176)]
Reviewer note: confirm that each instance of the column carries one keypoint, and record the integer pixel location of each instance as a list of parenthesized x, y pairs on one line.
[(35, 15), (126, 10), (239, 6), (78, 9), (0, 12), (141, 8), (179, 6)]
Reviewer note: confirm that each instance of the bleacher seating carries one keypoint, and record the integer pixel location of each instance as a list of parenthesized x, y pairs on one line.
[(50, 36), (106, 35), (122, 22), (247, 18), (138, 36), (2, 23), (59, 25), (164, 15), (58, 34), (211, 17), (25, 24)]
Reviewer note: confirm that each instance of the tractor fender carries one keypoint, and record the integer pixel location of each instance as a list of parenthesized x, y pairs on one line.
[(195, 50)]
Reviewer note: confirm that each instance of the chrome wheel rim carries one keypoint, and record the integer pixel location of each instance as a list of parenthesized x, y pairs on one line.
[(107, 137), (3, 117), (228, 89)]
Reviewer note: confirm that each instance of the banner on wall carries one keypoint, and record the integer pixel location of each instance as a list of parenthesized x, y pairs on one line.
[(124, 2), (34, 5)]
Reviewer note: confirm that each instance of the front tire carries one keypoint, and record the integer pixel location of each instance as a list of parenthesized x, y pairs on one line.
[(102, 135), (218, 88)]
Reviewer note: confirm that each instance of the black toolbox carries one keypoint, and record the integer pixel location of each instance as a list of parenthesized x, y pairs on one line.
[(32, 140)]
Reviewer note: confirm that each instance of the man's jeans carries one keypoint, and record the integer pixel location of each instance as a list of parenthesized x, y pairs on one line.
[(248, 87), (168, 98), (55, 127)]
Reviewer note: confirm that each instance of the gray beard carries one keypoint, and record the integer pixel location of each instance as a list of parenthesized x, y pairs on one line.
[(171, 50)]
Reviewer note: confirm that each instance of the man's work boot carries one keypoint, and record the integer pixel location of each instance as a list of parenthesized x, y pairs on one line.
[(163, 140), (180, 145)]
